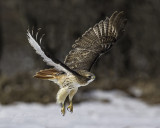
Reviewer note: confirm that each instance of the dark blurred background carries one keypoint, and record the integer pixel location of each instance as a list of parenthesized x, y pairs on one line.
[(133, 65)]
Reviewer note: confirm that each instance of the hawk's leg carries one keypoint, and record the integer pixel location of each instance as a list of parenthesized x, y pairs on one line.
[(71, 94), (61, 97), (63, 109), (70, 107)]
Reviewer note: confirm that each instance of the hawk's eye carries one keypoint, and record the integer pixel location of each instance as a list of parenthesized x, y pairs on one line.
[(89, 77)]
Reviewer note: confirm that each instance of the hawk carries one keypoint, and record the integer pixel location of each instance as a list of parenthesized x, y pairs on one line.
[(75, 71)]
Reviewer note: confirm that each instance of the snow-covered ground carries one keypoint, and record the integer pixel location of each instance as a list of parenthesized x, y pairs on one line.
[(120, 112)]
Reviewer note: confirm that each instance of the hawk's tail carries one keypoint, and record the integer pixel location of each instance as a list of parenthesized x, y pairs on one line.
[(47, 74)]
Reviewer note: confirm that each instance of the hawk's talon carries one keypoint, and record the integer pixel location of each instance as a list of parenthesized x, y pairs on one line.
[(63, 110), (70, 107)]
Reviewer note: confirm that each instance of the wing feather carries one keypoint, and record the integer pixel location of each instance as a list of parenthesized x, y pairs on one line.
[(95, 42), (55, 63)]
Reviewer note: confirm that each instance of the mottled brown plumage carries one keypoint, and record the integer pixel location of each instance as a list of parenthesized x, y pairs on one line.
[(75, 71), (95, 42)]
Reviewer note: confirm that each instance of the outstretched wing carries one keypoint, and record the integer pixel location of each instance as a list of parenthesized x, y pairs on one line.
[(95, 42), (52, 62)]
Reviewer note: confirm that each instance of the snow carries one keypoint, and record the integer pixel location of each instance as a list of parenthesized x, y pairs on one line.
[(120, 112)]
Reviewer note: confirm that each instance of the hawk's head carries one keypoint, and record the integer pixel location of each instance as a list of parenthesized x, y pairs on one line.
[(89, 77)]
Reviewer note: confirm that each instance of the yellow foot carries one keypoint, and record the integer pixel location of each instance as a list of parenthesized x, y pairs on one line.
[(70, 107), (63, 110)]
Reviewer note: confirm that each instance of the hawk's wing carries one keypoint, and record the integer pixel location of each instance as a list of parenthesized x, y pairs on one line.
[(95, 42), (52, 62)]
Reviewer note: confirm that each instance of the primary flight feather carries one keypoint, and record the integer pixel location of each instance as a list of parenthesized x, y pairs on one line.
[(75, 71)]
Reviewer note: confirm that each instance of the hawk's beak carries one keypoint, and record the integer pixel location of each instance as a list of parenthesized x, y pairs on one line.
[(93, 77)]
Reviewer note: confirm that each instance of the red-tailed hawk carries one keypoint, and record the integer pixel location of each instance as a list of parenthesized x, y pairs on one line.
[(75, 71)]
